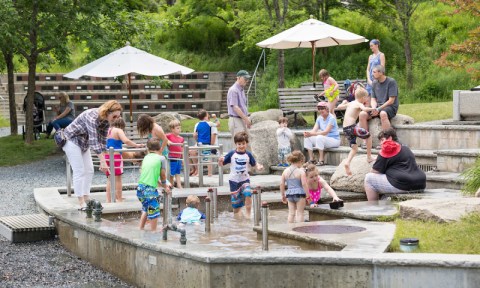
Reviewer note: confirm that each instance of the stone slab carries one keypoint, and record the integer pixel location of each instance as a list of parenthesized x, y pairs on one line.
[(440, 210), (364, 210)]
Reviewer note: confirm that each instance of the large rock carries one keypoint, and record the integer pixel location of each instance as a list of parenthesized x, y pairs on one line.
[(359, 167), (375, 126), (270, 114), (163, 119), (439, 210), (263, 142), (301, 122)]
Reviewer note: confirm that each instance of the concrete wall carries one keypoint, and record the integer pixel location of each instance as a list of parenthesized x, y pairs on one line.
[(160, 265), (466, 105)]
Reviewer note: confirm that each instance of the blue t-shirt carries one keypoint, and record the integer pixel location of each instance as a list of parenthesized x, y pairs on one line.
[(204, 132), (322, 125)]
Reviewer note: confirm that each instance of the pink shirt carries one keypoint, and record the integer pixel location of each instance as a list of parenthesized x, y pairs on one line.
[(177, 150)]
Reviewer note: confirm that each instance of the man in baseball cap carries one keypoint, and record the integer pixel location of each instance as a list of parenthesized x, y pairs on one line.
[(237, 105)]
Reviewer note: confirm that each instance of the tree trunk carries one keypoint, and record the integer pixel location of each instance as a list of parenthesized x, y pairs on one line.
[(12, 105), (32, 65), (408, 56), (281, 69)]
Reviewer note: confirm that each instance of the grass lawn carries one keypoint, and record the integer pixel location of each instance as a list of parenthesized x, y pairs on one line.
[(189, 124), (16, 152), (449, 238), (4, 122)]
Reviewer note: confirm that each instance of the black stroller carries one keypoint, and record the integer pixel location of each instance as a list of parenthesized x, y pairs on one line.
[(38, 114)]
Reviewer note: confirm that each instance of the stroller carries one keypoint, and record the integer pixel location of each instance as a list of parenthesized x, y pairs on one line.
[(38, 114)]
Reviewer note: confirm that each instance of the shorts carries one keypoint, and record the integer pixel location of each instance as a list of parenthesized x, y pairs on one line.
[(205, 154), (175, 167), (351, 133), (239, 191), (117, 163), (390, 112), (150, 200), (296, 198), (283, 152)]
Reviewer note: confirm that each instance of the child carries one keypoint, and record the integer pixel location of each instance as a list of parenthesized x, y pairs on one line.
[(153, 168), (205, 133), (330, 90), (176, 151), (116, 138), (147, 127), (191, 215), (352, 131), (239, 177), (297, 192), (315, 184), (284, 135)]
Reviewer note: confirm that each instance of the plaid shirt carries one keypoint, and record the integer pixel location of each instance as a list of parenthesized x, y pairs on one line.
[(87, 131)]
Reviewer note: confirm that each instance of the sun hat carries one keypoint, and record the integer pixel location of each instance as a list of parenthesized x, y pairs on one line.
[(244, 74), (390, 148), (322, 104)]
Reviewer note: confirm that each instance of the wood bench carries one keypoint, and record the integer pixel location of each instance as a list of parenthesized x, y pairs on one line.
[(298, 100)]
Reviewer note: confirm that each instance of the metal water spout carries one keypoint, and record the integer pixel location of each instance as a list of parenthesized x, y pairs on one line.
[(89, 209), (97, 210), (173, 227)]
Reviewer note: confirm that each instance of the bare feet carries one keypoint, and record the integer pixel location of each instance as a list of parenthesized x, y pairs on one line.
[(370, 159), (347, 169)]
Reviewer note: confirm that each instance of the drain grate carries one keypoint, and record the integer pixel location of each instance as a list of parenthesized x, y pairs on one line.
[(329, 229), (25, 228), (427, 167)]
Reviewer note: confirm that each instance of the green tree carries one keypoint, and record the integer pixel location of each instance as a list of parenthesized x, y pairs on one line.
[(7, 38), (464, 55), (43, 28)]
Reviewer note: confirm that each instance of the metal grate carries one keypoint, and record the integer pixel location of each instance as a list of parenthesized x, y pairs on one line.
[(23, 223), (427, 167)]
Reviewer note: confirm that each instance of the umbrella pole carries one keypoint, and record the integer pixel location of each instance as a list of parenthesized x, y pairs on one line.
[(313, 63), (130, 96)]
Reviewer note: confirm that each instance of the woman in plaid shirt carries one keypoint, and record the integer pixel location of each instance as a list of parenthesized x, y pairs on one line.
[(89, 132)]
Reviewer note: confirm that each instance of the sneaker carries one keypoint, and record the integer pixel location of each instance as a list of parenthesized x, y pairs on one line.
[(285, 164), (280, 165)]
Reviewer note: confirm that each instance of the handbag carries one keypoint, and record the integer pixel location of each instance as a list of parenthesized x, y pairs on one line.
[(60, 138)]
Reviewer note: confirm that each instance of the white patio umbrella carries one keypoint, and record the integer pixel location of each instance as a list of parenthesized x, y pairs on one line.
[(311, 34), (128, 60)]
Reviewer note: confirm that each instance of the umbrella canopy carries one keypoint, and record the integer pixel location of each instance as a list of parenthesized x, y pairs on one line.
[(311, 34), (129, 60)]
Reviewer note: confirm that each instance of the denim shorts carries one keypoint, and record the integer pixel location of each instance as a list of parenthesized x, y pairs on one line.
[(296, 198)]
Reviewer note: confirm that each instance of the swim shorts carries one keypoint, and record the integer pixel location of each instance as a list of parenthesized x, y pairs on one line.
[(239, 190), (150, 200)]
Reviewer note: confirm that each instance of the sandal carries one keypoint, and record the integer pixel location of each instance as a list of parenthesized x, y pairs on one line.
[(314, 162), (321, 163), (82, 208)]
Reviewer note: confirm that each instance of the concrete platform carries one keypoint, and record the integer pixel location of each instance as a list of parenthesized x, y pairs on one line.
[(375, 237)]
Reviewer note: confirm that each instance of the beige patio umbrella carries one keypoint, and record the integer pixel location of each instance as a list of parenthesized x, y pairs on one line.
[(128, 60), (311, 34)]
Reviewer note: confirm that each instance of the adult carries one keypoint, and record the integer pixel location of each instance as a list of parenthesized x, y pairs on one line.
[(89, 131), (395, 170), (384, 97), (324, 134), (238, 120), (65, 114), (377, 58)]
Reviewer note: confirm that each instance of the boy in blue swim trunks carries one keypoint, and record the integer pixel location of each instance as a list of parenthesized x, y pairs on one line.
[(153, 169), (239, 180)]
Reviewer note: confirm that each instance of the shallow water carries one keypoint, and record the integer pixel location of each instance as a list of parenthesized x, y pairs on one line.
[(227, 233)]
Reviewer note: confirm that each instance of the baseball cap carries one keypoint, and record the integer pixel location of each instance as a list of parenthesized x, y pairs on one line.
[(322, 104), (244, 74)]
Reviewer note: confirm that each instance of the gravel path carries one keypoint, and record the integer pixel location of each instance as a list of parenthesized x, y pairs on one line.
[(46, 263)]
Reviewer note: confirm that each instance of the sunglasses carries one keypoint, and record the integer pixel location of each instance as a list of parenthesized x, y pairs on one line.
[(321, 108)]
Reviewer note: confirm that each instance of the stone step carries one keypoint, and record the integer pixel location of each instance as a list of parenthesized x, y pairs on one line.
[(456, 160), (435, 179)]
